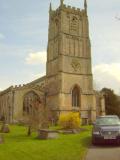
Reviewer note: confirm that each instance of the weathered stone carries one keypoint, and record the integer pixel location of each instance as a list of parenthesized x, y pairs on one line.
[(72, 131), (5, 128), (1, 139), (66, 131), (47, 134), (75, 131), (68, 71)]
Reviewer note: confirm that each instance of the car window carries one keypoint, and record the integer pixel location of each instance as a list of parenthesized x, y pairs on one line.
[(108, 121)]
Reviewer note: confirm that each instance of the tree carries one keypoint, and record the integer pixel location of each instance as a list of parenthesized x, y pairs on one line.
[(37, 118), (111, 102)]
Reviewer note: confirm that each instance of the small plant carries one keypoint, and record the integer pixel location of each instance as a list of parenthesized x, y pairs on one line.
[(70, 120)]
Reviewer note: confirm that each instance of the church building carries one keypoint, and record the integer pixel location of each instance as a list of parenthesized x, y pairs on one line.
[(68, 83)]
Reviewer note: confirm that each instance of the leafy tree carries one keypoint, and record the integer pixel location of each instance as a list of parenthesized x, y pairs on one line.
[(37, 118), (111, 102)]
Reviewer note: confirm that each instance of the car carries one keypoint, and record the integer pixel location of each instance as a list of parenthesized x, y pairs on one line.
[(106, 129)]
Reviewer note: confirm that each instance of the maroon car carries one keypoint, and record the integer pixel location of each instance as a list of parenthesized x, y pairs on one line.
[(106, 129)]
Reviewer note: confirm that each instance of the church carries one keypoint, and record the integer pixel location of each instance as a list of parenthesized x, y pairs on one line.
[(68, 83)]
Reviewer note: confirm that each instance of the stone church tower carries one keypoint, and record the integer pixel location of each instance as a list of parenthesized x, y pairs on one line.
[(68, 70), (68, 83)]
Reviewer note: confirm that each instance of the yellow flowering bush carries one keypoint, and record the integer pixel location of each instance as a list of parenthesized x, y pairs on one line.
[(70, 120)]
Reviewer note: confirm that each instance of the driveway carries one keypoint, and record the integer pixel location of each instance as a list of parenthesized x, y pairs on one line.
[(103, 153)]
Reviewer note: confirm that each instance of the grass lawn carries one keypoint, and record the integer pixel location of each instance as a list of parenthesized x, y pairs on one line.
[(18, 146)]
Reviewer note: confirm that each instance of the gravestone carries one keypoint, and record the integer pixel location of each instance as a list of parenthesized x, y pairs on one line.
[(71, 131), (5, 128), (1, 139), (47, 134)]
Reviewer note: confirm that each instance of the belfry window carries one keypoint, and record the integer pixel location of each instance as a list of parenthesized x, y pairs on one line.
[(75, 97)]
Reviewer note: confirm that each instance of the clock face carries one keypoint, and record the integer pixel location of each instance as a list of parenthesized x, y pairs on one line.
[(75, 65)]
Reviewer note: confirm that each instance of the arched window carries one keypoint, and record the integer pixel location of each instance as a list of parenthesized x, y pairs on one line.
[(30, 102), (75, 97)]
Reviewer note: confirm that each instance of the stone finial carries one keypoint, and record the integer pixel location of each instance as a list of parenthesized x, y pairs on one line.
[(85, 5), (50, 8), (61, 2)]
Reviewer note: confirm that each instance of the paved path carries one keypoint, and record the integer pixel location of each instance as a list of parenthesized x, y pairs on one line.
[(103, 153)]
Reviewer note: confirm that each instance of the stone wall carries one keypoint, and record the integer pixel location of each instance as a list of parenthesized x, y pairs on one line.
[(69, 61), (11, 99), (6, 104), (68, 66)]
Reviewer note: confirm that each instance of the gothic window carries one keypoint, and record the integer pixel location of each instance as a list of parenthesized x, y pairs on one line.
[(31, 100), (75, 97)]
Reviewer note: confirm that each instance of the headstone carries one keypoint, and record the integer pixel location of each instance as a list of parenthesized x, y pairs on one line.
[(1, 139), (47, 134), (75, 131), (5, 128), (70, 131), (67, 132)]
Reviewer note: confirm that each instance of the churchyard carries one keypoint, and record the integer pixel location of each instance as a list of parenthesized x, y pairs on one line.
[(17, 145)]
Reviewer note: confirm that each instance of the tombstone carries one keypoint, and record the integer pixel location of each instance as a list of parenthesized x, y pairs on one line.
[(5, 128), (70, 131), (1, 139), (66, 131), (47, 134)]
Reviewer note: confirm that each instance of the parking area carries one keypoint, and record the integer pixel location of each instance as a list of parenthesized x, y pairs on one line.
[(103, 153)]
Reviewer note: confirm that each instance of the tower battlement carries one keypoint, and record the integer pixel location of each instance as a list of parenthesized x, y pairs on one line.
[(73, 9), (68, 8)]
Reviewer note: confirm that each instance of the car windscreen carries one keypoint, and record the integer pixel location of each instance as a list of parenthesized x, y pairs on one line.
[(107, 121)]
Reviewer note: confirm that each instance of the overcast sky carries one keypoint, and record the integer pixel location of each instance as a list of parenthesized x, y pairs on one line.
[(24, 33)]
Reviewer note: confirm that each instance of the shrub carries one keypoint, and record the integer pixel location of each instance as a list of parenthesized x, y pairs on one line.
[(70, 120)]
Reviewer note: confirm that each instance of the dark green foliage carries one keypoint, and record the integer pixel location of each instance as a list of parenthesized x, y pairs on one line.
[(112, 102)]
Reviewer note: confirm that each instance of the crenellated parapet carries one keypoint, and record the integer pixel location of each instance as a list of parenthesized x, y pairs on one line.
[(22, 87), (6, 90), (73, 9), (28, 86), (69, 9)]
